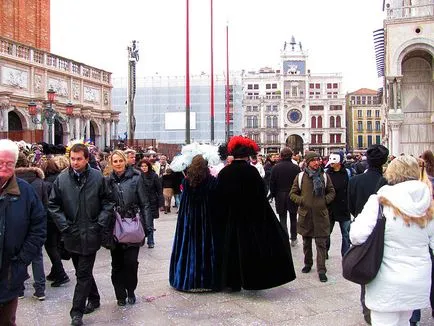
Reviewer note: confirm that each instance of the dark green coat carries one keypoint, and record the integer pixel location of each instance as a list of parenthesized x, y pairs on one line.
[(313, 216)]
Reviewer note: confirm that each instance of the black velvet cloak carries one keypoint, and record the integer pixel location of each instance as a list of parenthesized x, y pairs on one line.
[(193, 260), (255, 251)]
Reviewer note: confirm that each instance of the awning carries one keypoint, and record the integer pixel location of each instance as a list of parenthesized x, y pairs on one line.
[(379, 51)]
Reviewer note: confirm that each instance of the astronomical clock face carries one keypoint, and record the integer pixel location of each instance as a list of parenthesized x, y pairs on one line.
[(294, 116)]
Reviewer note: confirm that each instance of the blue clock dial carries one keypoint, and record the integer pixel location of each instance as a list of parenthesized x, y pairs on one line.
[(294, 116)]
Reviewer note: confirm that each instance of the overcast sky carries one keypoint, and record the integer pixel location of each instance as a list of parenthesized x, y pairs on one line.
[(336, 33)]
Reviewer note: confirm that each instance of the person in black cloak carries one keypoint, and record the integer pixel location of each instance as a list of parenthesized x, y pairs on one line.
[(254, 248), (193, 261)]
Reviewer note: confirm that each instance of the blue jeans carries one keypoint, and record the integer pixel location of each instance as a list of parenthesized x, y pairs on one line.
[(345, 232), (415, 317), (38, 273), (177, 199)]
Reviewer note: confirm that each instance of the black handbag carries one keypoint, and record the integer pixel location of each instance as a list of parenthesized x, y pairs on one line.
[(361, 263)]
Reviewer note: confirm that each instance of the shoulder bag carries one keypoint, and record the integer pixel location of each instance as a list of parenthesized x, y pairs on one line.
[(361, 263), (128, 226), (128, 229)]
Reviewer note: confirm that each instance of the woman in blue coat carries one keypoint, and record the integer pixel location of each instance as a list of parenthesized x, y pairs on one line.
[(193, 260)]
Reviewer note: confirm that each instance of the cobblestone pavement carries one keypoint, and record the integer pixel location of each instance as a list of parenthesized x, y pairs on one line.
[(305, 301)]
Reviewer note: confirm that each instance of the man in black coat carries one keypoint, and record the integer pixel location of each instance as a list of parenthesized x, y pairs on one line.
[(255, 253), (360, 187), (364, 185), (338, 208), (281, 180), (80, 206)]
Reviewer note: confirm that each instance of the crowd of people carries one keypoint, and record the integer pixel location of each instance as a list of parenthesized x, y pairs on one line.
[(71, 200)]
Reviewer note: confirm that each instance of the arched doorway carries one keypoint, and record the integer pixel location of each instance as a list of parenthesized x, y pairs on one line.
[(416, 101), (58, 132), (14, 122), (295, 142), (92, 132), (15, 127)]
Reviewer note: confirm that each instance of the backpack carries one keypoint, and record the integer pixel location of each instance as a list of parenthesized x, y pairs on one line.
[(300, 177)]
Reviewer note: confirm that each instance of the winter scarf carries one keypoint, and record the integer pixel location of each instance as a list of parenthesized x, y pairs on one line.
[(318, 186)]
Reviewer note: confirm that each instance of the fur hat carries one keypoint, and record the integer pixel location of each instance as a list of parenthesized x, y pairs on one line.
[(22, 161), (310, 156), (240, 146), (377, 155)]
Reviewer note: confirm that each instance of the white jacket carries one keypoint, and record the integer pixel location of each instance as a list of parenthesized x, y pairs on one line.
[(260, 169), (404, 280)]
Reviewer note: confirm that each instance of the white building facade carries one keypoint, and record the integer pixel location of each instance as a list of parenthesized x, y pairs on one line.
[(159, 108), (27, 73), (409, 76), (290, 106)]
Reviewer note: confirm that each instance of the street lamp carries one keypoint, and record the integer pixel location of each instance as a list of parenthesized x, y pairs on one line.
[(49, 114)]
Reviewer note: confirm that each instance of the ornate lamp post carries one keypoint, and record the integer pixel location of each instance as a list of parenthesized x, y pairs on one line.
[(49, 114)]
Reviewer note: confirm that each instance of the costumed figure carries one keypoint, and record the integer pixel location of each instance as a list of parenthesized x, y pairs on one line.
[(193, 262), (254, 247), (209, 152)]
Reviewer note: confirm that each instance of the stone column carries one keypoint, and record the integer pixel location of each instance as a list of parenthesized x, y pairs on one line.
[(107, 133), (116, 130), (87, 128), (395, 122), (77, 134), (396, 138), (4, 105), (398, 95), (390, 95), (45, 136)]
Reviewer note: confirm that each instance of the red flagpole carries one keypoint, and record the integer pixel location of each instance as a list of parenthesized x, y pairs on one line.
[(227, 82), (187, 80), (212, 75)]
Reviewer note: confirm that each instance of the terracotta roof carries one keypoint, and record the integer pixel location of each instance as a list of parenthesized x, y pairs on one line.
[(364, 91)]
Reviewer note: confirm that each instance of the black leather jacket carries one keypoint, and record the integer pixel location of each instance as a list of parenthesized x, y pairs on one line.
[(80, 208), (130, 193)]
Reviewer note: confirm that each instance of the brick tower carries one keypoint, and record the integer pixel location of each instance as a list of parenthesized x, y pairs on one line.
[(26, 21)]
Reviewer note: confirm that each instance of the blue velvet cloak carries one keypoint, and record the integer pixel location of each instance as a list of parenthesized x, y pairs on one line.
[(193, 260)]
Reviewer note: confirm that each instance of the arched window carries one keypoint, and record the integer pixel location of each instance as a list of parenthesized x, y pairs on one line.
[(255, 122), (274, 122), (338, 121), (269, 121), (332, 122), (319, 122), (313, 122), (249, 121)]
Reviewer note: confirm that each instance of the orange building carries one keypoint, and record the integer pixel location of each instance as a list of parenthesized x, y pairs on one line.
[(30, 74), (365, 119), (27, 22)]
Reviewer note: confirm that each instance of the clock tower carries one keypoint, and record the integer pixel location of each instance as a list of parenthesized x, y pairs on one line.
[(290, 106), (294, 81)]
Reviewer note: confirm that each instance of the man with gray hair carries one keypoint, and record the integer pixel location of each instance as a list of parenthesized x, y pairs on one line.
[(23, 228), (131, 156)]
